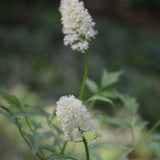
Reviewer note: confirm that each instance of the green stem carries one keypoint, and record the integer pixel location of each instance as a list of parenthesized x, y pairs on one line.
[(80, 98), (143, 138), (132, 129), (64, 147), (86, 148), (84, 76), (21, 133), (29, 125), (151, 131), (32, 130)]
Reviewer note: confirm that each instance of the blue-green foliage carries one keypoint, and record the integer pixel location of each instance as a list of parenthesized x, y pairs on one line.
[(46, 142)]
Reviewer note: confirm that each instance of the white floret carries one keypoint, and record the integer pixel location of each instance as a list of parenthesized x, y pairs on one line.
[(78, 25), (74, 118), (91, 142)]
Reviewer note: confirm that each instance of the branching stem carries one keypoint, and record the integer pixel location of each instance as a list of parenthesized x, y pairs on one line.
[(21, 133), (32, 130), (144, 137)]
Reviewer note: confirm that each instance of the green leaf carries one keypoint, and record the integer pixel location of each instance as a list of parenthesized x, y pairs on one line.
[(122, 157), (8, 114), (58, 130), (93, 87), (112, 145), (100, 98), (5, 114), (153, 147), (36, 124), (4, 108), (57, 141), (57, 156), (110, 93), (95, 154), (115, 121), (48, 135), (73, 155), (129, 102), (21, 113), (4, 111), (33, 141), (48, 148), (35, 110), (12, 100), (109, 78), (12, 118), (141, 124), (155, 137)]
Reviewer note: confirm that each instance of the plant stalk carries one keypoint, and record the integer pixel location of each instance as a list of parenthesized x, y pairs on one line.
[(84, 76), (21, 133), (32, 130), (133, 130), (145, 136), (86, 148), (64, 147)]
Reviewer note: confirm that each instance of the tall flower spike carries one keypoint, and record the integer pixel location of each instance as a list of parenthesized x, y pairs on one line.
[(74, 119), (78, 25)]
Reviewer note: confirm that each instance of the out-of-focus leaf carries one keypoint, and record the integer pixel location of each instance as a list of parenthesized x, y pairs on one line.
[(8, 114), (122, 157), (10, 99), (48, 135), (95, 154), (112, 145), (57, 156), (99, 98), (141, 124), (36, 110), (5, 114), (73, 155), (153, 147), (33, 141), (22, 114), (115, 121), (48, 148), (109, 93), (110, 78), (4, 108), (155, 137), (93, 87), (59, 131), (36, 124), (12, 118), (57, 141), (129, 102)]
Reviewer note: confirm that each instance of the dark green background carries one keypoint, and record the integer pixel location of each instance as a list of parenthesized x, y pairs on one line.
[(32, 51)]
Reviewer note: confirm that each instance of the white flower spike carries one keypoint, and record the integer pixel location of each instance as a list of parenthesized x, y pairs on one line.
[(78, 25), (74, 118)]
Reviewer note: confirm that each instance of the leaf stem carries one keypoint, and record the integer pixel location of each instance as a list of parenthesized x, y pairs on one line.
[(64, 147), (21, 133), (32, 130), (143, 138), (132, 129), (29, 125), (84, 76), (86, 148)]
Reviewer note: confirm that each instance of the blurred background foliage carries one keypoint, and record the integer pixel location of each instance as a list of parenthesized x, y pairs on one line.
[(34, 59)]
